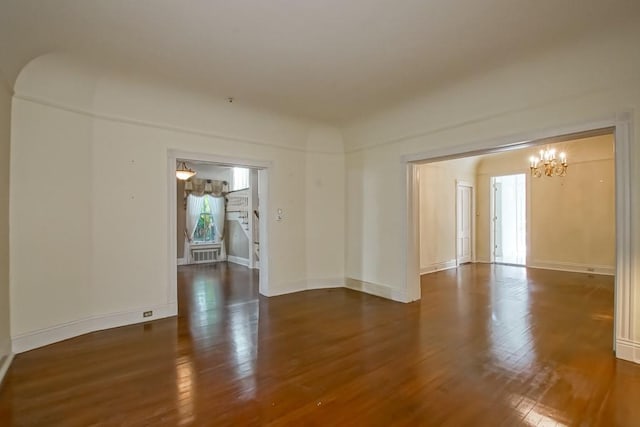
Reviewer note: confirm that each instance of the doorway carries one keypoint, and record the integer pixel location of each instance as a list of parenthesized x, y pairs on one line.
[(620, 129), (464, 222), (257, 224), (509, 219)]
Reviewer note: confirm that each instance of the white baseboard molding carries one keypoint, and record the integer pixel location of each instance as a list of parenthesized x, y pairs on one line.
[(30, 340), (238, 260), (377, 289), (483, 261), (326, 283), (438, 266), (573, 267), (182, 261), (6, 357), (306, 285), (628, 350)]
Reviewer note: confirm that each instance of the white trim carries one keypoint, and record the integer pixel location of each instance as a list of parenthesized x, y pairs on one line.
[(264, 230), (220, 160), (573, 267), (377, 289), (163, 126), (172, 218), (30, 340), (623, 128), (439, 266), (238, 260), (411, 290), (287, 288), (624, 297), (182, 261), (326, 283), (263, 223), (7, 357), (307, 285), (628, 350)]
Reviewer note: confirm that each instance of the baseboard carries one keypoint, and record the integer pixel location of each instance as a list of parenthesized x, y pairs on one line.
[(628, 350), (326, 283), (6, 357), (438, 266), (376, 289), (31, 340), (238, 260), (306, 285), (573, 267), (182, 261)]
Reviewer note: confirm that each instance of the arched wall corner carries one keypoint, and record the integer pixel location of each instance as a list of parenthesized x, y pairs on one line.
[(625, 345), (98, 143)]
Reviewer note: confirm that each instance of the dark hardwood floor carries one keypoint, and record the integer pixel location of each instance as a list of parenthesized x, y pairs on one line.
[(486, 346)]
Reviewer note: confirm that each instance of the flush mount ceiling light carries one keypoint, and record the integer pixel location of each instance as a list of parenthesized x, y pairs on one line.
[(184, 172)]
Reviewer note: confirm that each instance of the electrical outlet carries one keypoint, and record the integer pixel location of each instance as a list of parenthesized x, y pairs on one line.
[(147, 313)]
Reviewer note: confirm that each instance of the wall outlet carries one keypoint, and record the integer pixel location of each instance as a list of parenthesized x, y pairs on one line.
[(147, 313)]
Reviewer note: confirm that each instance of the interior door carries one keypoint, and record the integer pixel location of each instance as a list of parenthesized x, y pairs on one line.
[(497, 220), (463, 223)]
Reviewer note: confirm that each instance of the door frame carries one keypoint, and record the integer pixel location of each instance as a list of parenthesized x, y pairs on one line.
[(263, 168), (472, 219), (492, 215), (621, 125)]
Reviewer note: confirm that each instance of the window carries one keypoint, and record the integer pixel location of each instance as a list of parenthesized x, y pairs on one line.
[(206, 229), (240, 179)]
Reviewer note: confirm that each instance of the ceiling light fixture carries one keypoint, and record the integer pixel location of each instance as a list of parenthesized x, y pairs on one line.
[(547, 164), (184, 172)]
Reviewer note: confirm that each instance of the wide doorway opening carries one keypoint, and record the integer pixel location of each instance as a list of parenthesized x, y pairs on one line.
[(536, 215), (217, 235)]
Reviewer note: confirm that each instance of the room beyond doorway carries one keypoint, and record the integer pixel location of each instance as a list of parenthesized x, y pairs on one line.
[(259, 174), (509, 219)]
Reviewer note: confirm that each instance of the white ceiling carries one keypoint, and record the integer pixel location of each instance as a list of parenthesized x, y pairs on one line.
[(330, 60)]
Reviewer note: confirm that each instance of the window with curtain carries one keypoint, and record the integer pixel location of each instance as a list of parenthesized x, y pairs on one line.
[(240, 179), (205, 228)]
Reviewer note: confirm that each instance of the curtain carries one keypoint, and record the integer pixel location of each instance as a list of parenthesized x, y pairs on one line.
[(218, 215), (194, 208)]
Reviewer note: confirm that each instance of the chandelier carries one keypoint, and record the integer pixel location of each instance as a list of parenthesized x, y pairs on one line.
[(547, 164), (184, 172)]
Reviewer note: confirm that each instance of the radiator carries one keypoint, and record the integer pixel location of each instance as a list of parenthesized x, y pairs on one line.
[(202, 255)]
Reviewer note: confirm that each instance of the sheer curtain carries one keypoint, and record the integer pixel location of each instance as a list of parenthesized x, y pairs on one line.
[(218, 217), (194, 208)]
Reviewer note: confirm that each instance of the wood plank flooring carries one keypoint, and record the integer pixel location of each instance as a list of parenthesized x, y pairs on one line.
[(486, 346)]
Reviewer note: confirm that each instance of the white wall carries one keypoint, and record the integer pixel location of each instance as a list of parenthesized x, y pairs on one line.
[(5, 121), (590, 79), (116, 131), (325, 208), (437, 192)]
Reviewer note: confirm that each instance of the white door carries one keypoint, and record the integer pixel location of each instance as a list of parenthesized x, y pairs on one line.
[(463, 223)]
